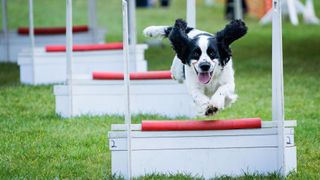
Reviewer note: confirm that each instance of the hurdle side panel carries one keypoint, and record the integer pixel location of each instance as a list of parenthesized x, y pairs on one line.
[(291, 159), (204, 162), (43, 71), (204, 153), (62, 106), (147, 97)]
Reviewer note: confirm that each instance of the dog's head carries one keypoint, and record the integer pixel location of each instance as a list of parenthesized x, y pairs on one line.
[(205, 52)]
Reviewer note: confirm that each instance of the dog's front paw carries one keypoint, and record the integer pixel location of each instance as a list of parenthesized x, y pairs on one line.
[(211, 110)]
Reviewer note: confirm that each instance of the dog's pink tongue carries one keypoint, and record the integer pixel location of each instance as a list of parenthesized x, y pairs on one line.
[(204, 78)]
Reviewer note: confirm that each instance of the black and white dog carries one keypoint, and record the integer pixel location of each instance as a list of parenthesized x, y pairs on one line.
[(204, 61)]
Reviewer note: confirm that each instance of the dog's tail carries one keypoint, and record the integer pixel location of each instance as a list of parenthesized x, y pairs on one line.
[(157, 31), (164, 31)]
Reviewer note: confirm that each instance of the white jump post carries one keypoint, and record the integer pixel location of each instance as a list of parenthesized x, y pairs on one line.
[(277, 82), (191, 13), (31, 35), (238, 9), (132, 32), (5, 28), (69, 44), (92, 19), (126, 59), (293, 14), (132, 22)]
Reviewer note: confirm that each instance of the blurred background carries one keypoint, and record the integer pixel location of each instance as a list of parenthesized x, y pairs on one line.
[(34, 142)]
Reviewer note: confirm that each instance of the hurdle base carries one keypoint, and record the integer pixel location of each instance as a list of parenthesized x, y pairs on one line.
[(50, 68), (202, 153), (100, 97), (18, 42)]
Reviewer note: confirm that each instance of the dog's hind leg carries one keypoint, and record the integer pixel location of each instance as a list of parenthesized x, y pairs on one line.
[(177, 70)]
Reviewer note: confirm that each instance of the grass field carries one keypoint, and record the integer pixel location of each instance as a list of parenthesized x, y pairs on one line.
[(36, 143)]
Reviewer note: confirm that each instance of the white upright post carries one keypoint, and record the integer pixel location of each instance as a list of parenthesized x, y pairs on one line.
[(191, 13), (238, 9), (132, 28), (126, 59), (293, 12), (5, 28), (277, 82), (31, 35), (132, 22), (69, 44), (92, 19)]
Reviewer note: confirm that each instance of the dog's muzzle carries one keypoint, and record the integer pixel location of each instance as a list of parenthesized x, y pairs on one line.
[(204, 66), (205, 72)]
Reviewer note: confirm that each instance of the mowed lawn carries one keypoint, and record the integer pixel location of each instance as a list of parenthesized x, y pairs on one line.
[(37, 143)]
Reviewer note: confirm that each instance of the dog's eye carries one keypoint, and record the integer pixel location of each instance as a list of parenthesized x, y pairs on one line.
[(211, 53), (195, 55)]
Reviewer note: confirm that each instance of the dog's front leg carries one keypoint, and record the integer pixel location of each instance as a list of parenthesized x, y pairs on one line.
[(223, 97), (200, 100), (197, 91)]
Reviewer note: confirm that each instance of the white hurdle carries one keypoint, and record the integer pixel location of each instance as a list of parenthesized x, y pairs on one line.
[(100, 97), (202, 153), (211, 153), (42, 67), (13, 42)]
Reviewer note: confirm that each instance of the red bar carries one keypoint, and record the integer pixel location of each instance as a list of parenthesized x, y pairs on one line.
[(107, 76), (86, 47), (52, 30), (133, 76), (194, 125), (150, 75)]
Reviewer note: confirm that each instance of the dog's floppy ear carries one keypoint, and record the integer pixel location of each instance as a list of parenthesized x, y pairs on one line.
[(233, 31), (179, 40)]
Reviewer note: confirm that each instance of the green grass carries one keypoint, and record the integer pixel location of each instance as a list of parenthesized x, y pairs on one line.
[(36, 143)]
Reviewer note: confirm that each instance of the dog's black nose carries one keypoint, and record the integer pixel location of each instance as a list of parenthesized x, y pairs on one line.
[(204, 66)]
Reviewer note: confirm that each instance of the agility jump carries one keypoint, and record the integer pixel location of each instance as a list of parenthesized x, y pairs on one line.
[(208, 153)]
